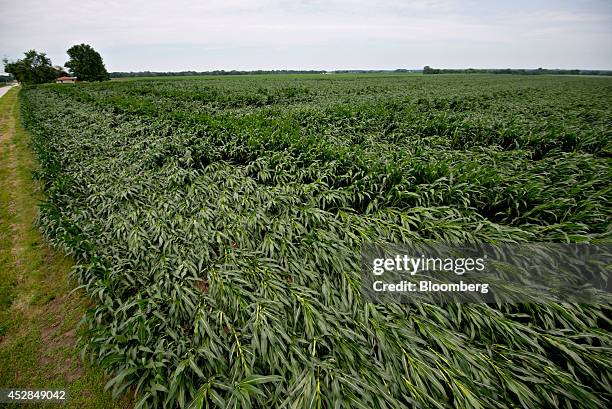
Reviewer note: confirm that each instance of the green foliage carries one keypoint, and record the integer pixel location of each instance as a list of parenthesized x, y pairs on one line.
[(34, 68), (218, 226), (86, 63)]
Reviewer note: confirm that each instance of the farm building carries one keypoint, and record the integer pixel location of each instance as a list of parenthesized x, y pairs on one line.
[(66, 80)]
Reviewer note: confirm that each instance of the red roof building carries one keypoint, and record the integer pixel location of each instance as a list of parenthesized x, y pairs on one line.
[(66, 80)]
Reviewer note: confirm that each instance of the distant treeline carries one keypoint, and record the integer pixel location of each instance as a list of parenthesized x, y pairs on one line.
[(370, 71), (425, 70), (5, 78), (216, 72), (235, 72), (429, 70)]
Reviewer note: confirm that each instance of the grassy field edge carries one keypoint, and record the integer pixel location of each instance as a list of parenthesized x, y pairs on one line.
[(39, 314)]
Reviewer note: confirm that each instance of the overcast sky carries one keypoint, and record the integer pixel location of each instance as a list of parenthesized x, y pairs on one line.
[(177, 35)]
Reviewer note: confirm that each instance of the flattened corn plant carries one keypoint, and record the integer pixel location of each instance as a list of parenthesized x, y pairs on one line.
[(217, 225)]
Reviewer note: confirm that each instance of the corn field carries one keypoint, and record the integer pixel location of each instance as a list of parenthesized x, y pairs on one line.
[(217, 226)]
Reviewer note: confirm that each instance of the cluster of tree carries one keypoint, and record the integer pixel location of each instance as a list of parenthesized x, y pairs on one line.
[(85, 64), (5, 78), (34, 68), (428, 70)]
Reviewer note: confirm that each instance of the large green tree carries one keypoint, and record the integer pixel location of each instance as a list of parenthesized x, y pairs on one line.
[(34, 68), (86, 63)]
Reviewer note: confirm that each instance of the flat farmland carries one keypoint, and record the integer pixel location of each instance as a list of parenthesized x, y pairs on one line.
[(217, 224)]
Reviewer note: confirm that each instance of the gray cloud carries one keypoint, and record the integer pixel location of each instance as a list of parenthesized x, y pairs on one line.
[(231, 34)]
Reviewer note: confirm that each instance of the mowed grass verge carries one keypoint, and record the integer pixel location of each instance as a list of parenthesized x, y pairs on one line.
[(39, 314)]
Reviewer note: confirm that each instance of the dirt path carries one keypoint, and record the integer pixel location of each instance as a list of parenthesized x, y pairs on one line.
[(38, 312), (4, 90)]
